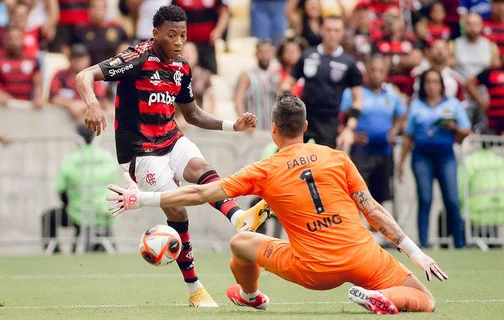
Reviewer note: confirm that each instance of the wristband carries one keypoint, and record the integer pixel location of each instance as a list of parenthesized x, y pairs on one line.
[(409, 247), (228, 125), (354, 113), (151, 199)]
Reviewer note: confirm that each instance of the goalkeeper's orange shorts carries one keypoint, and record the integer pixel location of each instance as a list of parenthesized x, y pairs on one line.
[(380, 272)]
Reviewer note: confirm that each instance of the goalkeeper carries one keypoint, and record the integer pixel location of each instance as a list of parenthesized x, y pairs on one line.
[(316, 193)]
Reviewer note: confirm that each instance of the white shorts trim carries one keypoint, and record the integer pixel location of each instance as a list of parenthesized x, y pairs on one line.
[(158, 173)]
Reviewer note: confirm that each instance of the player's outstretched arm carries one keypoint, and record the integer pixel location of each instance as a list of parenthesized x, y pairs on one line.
[(131, 197), (200, 118), (95, 119), (382, 220)]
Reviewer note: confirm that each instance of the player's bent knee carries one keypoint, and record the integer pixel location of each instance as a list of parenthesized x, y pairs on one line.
[(239, 241), (195, 169)]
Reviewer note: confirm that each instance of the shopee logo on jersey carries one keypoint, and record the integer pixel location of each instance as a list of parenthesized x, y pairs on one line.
[(114, 72), (161, 97)]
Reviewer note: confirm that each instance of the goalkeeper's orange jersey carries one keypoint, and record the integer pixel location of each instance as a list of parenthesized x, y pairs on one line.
[(309, 187)]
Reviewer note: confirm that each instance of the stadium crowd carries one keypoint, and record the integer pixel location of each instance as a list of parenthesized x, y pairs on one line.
[(414, 60)]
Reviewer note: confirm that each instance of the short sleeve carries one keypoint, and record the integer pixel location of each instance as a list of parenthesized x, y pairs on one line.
[(484, 77), (354, 76), (461, 116), (410, 122), (297, 71), (399, 108), (126, 64), (354, 179), (346, 100), (248, 180), (186, 92)]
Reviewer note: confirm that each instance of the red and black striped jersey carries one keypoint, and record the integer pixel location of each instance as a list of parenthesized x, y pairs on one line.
[(399, 77), (17, 75), (202, 16), (147, 91), (73, 12), (494, 31), (493, 79)]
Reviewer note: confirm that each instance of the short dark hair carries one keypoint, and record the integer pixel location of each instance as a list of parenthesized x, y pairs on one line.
[(170, 13), (281, 48), (421, 91), (289, 115)]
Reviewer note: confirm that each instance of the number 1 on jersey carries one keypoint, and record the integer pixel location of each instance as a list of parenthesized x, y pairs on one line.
[(307, 176)]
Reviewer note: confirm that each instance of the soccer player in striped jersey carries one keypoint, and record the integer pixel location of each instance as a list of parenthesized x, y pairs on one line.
[(153, 79)]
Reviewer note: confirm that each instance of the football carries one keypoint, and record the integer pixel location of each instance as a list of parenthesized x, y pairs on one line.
[(160, 245)]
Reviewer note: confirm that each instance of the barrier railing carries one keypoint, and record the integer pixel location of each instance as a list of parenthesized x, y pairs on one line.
[(481, 190)]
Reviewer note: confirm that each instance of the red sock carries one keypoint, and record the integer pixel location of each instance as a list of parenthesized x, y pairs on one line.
[(185, 260), (227, 207)]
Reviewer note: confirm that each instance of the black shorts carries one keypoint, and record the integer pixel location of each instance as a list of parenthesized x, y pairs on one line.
[(377, 170), (207, 57), (322, 129)]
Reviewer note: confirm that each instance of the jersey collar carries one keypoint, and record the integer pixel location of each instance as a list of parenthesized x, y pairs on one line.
[(335, 54)]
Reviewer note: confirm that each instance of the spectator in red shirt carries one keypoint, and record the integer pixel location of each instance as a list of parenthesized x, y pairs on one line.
[(73, 13), (402, 51), (436, 27), (357, 40), (494, 27), (201, 84), (206, 22), (64, 92), (452, 17), (493, 79), (288, 55), (32, 37), (100, 36), (379, 7), (19, 74)]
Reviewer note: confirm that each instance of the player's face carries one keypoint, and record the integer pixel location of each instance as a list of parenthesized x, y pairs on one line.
[(291, 53), (171, 36), (432, 85), (97, 10), (474, 26), (440, 51), (376, 73), (312, 8), (332, 32), (14, 42), (20, 16), (264, 55), (437, 12)]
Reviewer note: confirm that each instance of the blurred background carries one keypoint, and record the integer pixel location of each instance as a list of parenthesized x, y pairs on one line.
[(53, 173)]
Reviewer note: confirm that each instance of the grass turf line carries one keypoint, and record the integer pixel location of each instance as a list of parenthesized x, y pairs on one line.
[(124, 287)]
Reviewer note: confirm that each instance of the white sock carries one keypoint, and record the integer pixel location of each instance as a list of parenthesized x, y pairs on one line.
[(194, 286), (234, 217), (249, 296)]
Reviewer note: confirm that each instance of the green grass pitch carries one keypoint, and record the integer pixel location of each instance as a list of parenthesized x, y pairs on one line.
[(100, 286)]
